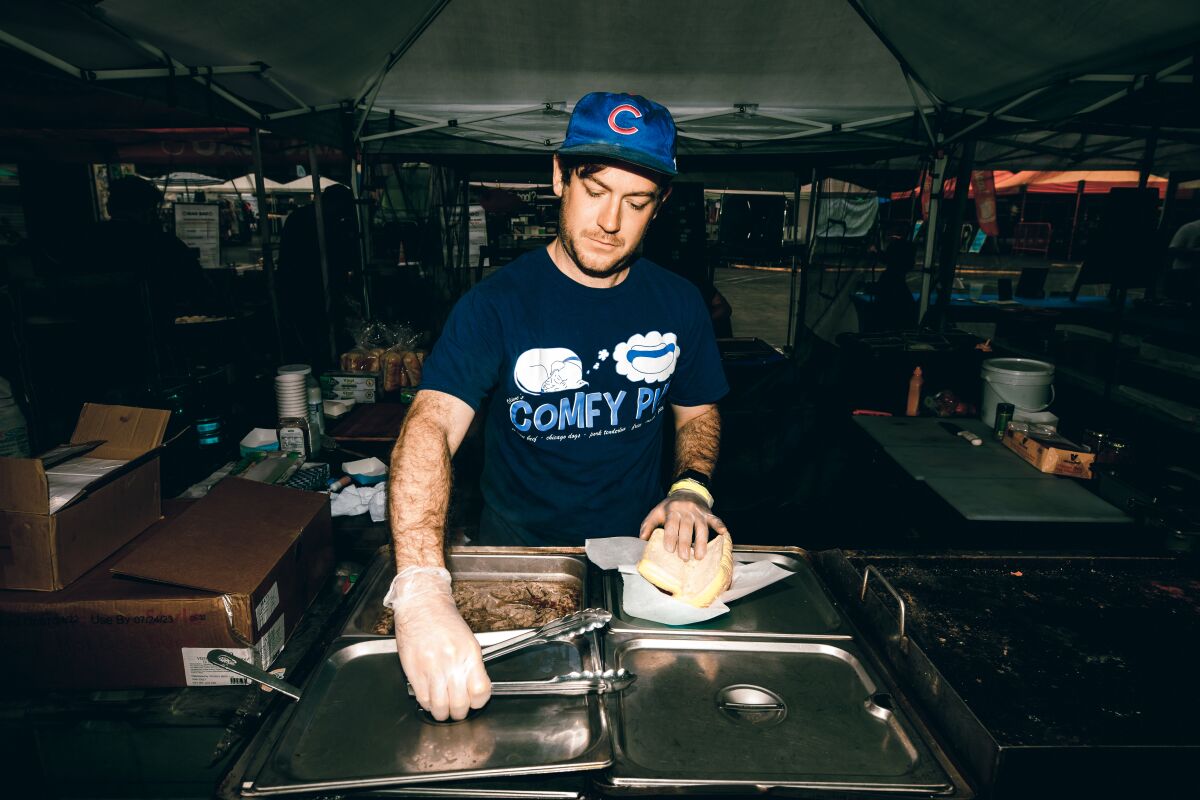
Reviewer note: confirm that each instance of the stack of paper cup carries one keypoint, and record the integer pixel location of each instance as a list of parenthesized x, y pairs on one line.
[(291, 396)]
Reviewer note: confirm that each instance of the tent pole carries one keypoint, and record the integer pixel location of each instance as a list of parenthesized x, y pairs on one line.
[(814, 205), (948, 261), (356, 173), (1075, 218), (1168, 206), (315, 169), (1165, 218), (1147, 159), (810, 243), (41, 55), (464, 232), (1119, 292), (795, 245), (264, 238), (938, 171)]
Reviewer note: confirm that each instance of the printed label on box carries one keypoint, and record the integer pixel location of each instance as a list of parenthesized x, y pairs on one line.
[(270, 644), (199, 672), (361, 388), (266, 607)]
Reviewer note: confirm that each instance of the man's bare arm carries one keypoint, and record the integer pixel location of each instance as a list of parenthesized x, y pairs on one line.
[(697, 438), (438, 652), (419, 478), (684, 515)]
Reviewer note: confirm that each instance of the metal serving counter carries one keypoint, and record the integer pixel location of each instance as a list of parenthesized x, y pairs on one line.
[(781, 695)]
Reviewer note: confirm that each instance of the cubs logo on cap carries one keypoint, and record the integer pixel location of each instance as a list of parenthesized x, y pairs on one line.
[(623, 127), (624, 108)]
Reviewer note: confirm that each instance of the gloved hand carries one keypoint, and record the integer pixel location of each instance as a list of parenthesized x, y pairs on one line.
[(685, 519), (440, 655)]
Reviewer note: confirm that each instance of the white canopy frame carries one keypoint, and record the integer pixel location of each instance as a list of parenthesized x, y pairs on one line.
[(737, 126), (912, 100)]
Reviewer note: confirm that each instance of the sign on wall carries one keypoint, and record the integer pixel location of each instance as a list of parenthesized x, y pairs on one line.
[(198, 225)]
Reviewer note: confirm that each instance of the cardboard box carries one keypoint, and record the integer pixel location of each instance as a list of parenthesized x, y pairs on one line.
[(1050, 453), (45, 551), (235, 570)]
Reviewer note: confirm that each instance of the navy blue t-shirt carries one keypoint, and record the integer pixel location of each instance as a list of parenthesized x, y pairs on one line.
[(582, 379)]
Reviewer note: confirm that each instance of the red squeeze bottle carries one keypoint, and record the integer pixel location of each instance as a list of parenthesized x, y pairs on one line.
[(914, 393)]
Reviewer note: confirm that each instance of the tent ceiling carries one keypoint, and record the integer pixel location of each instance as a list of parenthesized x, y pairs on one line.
[(323, 52), (798, 56), (1039, 84), (987, 53)]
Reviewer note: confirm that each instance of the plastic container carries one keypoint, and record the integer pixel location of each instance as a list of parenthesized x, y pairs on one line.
[(1047, 418), (316, 418), (287, 404), (1003, 416), (1025, 382), (14, 432), (293, 436)]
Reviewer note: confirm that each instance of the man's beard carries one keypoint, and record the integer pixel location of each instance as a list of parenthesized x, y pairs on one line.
[(568, 244)]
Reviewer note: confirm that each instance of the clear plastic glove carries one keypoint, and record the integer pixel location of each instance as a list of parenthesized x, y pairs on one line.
[(685, 519), (440, 656)]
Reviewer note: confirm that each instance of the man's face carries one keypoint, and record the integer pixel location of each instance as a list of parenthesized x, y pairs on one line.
[(603, 217)]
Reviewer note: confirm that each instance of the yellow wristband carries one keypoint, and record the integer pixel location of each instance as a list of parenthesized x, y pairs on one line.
[(693, 486)]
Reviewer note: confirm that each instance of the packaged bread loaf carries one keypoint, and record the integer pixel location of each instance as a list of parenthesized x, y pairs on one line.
[(412, 368), (394, 376), (401, 362)]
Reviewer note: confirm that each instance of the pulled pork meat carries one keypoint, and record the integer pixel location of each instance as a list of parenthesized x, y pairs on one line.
[(504, 605)]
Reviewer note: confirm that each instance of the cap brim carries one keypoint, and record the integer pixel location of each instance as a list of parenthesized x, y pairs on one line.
[(620, 154)]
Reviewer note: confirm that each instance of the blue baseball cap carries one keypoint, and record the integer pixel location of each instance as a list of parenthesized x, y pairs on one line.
[(624, 127)]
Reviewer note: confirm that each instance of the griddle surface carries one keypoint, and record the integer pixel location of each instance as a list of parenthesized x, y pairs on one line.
[(1061, 651)]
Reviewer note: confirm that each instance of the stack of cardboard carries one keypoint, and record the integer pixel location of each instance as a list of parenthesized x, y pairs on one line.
[(46, 550), (235, 570)]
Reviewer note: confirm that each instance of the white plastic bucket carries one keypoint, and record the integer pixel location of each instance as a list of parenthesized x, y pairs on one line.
[(1026, 383)]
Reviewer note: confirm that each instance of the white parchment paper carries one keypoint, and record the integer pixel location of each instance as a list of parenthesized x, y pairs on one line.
[(642, 599)]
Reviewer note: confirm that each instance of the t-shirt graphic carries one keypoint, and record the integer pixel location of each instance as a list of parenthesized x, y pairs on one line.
[(579, 379), (650, 358), (549, 370)]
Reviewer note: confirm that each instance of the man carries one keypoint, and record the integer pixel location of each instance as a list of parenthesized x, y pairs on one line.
[(585, 345), (133, 241), (894, 307), (302, 303), (1182, 280)]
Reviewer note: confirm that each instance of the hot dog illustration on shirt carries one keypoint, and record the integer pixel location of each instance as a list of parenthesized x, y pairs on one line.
[(649, 357)]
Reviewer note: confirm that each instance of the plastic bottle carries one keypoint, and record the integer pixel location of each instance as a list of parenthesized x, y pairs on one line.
[(14, 432), (294, 436), (315, 413), (1004, 415), (316, 418), (914, 393)]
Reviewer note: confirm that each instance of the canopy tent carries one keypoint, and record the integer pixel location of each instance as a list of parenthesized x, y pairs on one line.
[(186, 180), (1035, 182), (1094, 181), (304, 185), (1039, 85), (246, 184)]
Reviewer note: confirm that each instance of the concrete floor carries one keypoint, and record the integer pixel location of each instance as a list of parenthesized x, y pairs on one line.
[(759, 297)]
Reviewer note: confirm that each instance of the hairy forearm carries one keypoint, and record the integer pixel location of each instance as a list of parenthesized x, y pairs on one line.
[(698, 442), (419, 491)]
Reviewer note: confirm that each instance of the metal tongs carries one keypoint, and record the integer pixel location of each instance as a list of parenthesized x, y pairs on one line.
[(572, 683), (563, 629)]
